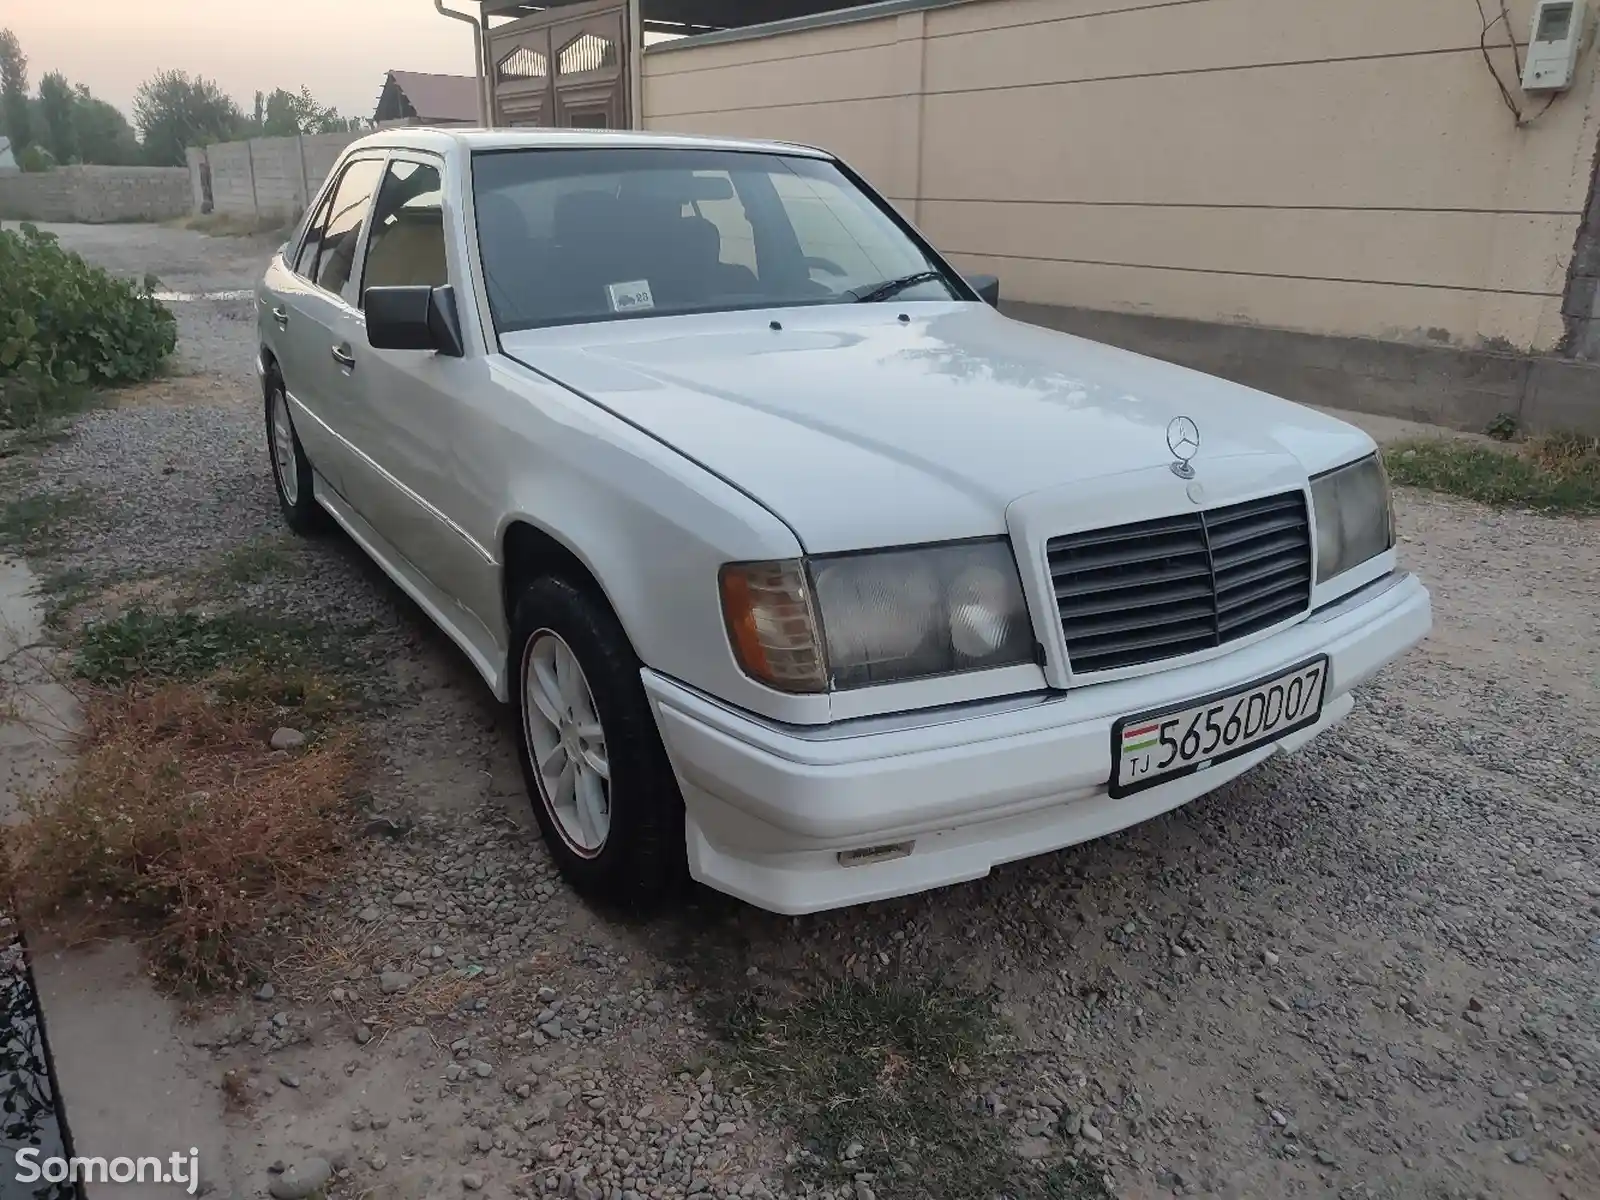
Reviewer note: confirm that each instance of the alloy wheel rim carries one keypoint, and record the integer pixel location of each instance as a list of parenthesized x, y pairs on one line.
[(283, 450), (566, 743)]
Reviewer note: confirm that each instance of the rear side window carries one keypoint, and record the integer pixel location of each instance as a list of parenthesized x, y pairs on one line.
[(407, 241), (347, 212)]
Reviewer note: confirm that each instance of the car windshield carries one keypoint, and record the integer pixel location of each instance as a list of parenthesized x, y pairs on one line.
[(597, 234)]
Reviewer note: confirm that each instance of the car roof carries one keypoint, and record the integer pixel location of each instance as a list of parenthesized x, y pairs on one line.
[(443, 140)]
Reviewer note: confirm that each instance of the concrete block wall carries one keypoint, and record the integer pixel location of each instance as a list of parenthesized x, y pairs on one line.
[(1584, 309), (1441, 385), (96, 194), (1581, 304)]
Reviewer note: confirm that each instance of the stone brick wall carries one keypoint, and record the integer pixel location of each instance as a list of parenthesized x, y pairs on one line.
[(95, 194)]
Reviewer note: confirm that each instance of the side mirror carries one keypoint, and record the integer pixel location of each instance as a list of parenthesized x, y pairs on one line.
[(987, 287), (414, 317)]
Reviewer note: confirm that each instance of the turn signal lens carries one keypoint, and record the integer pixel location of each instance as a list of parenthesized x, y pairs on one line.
[(771, 624)]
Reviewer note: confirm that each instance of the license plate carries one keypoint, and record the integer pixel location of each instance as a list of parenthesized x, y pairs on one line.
[(1153, 747)]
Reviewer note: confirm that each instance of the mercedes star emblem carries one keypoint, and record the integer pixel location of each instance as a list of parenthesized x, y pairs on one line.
[(1183, 439)]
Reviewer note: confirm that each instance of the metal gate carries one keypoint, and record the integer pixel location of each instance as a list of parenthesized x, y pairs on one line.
[(564, 67)]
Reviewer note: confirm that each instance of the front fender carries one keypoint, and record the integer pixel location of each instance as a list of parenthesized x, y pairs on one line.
[(651, 526)]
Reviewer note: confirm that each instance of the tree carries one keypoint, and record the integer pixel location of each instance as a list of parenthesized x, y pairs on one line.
[(174, 110), (14, 92), (284, 113), (338, 124), (58, 105), (104, 135)]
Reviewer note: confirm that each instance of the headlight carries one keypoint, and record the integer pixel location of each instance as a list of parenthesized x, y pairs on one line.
[(1354, 519), (883, 617)]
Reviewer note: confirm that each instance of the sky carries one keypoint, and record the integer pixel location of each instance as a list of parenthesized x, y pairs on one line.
[(340, 49)]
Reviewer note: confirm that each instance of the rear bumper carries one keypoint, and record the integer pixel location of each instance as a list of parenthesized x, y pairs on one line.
[(771, 807)]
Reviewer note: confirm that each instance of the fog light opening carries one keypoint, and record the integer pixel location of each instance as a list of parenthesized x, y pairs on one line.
[(874, 854)]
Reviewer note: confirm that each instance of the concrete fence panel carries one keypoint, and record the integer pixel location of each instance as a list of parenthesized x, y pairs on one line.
[(199, 192), (233, 190), (322, 150), (267, 178), (280, 192)]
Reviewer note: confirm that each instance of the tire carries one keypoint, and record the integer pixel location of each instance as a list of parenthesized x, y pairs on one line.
[(291, 470), (639, 862)]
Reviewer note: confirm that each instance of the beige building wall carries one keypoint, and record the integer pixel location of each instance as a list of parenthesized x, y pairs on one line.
[(1337, 166)]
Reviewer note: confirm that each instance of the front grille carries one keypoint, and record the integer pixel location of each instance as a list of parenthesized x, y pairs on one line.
[(1158, 589)]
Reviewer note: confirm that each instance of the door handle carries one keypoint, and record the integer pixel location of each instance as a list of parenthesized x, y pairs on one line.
[(342, 356), (281, 316)]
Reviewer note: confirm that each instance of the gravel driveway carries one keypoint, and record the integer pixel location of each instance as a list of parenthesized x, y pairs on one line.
[(1372, 970)]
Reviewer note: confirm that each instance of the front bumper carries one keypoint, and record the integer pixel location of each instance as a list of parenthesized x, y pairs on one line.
[(771, 807)]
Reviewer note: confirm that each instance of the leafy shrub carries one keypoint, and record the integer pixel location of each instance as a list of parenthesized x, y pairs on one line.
[(66, 326), (1503, 428)]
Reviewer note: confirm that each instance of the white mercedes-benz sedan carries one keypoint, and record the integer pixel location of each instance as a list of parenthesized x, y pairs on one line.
[(806, 572)]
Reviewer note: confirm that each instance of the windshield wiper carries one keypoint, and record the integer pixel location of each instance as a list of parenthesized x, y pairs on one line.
[(889, 287)]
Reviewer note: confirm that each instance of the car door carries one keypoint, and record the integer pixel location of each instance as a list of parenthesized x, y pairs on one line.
[(413, 405), (283, 313), (321, 325)]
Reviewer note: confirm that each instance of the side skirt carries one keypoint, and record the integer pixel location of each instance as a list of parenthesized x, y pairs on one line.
[(469, 634)]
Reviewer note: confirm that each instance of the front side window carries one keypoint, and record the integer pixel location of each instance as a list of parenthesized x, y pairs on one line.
[(577, 235), (407, 241), (305, 263), (347, 211)]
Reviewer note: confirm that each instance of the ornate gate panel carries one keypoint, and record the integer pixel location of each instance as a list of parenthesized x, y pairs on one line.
[(564, 67)]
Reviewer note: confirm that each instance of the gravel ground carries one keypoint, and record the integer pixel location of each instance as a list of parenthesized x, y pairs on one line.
[(1372, 970)]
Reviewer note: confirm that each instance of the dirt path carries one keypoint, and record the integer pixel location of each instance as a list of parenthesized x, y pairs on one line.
[(1369, 971)]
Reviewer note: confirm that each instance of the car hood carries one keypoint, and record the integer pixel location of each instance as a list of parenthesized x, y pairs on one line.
[(860, 428)]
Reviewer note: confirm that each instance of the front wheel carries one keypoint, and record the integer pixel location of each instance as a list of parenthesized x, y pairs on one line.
[(602, 789), (291, 470)]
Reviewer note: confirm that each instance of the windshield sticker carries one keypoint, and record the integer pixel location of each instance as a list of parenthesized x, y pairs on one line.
[(630, 297)]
